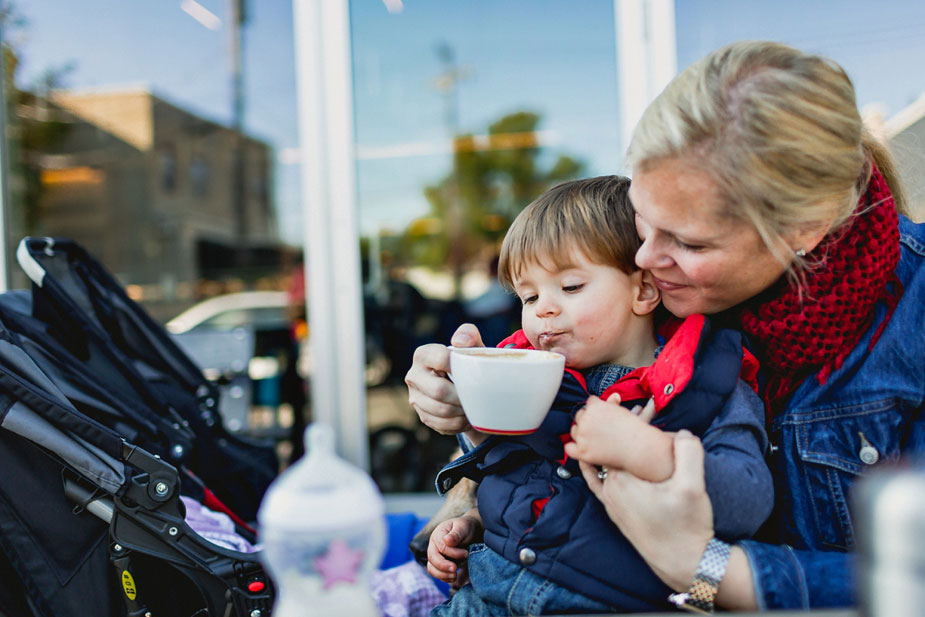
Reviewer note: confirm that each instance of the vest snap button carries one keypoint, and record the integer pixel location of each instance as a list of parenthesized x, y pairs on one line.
[(527, 556), (447, 483), (669, 389), (563, 473)]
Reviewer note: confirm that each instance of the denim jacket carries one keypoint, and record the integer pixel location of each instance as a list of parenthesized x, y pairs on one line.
[(868, 413)]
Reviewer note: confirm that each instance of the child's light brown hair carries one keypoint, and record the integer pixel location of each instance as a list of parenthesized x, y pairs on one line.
[(592, 215)]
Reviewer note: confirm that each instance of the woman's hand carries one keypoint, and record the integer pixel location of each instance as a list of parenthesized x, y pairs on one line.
[(669, 522), (430, 393), (446, 552)]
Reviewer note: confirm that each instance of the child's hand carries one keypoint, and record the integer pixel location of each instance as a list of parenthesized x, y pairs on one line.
[(611, 436), (599, 430), (446, 554)]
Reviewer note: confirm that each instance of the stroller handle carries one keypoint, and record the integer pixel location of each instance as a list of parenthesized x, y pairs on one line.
[(99, 506)]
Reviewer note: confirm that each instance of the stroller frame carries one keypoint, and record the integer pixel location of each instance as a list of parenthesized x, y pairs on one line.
[(148, 518)]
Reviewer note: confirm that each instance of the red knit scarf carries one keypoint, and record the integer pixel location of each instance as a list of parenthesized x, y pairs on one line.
[(799, 332)]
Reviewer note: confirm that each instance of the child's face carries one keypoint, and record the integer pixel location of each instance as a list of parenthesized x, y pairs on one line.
[(581, 311)]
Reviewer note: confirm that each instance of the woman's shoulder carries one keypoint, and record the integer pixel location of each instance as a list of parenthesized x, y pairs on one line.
[(908, 316), (912, 236), (911, 268), (878, 368)]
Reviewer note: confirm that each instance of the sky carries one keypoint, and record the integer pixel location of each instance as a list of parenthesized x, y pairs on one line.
[(554, 57)]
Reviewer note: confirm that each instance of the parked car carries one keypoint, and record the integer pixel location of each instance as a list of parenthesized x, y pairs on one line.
[(245, 342), (261, 310)]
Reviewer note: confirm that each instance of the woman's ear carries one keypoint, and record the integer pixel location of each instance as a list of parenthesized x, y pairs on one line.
[(647, 295), (808, 237), (806, 240)]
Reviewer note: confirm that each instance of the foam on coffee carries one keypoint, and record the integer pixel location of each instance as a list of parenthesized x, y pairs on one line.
[(536, 355)]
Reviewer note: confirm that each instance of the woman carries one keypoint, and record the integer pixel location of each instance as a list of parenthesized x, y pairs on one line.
[(761, 199)]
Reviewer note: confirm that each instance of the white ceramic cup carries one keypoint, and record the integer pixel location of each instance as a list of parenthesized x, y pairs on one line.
[(505, 391)]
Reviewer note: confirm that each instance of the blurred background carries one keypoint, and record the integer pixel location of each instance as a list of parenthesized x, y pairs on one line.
[(163, 135)]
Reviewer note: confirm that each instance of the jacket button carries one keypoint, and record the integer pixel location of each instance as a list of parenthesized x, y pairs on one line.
[(447, 483), (563, 473), (527, 556), (869, 455)]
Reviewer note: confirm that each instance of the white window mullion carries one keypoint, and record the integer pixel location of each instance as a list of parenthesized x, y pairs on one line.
[(333, 286)]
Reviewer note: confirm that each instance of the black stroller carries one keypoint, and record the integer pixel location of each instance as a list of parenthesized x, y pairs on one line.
[(95, 399), (89, 313)]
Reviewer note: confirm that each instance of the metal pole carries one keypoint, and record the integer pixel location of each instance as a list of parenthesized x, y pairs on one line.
[(238, 184), (6, 207), (455, 224)]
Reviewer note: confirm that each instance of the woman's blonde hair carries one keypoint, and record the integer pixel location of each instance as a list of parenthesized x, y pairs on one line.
[(776, 128), (593, 216)]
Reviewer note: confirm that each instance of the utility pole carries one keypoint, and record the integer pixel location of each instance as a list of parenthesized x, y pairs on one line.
[(446, 82), (238, 183)]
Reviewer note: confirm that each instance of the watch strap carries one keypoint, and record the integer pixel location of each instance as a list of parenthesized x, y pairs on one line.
[(710, 571)]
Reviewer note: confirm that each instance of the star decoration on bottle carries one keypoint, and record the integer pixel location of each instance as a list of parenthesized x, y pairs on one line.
[(339, 563)]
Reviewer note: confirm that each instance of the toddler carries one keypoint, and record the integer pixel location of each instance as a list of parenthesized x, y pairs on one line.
[(539, 541)]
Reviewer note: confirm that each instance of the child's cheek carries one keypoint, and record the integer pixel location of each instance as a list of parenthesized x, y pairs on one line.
[(531, 331)]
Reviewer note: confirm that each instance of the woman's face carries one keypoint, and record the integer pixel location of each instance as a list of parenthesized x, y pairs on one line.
[(702, 261)]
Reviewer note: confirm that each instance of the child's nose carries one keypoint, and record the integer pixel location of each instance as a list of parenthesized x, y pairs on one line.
[(546, 307)]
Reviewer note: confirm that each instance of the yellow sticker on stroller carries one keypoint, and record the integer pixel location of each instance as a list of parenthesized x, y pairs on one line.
[(128, 584)]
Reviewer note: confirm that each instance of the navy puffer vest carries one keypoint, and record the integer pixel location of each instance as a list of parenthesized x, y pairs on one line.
[(573, 543)]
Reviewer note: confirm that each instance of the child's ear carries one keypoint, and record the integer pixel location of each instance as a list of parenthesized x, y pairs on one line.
[(647, 294)]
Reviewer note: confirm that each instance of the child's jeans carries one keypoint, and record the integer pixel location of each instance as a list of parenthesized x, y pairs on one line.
[(498, 587)]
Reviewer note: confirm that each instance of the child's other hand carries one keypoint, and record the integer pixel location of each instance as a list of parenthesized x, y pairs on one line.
[(601, 431), (446, 553), (597, 429), (645, 413)]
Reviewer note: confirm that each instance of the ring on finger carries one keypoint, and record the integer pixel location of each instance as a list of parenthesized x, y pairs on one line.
[(602, 474)]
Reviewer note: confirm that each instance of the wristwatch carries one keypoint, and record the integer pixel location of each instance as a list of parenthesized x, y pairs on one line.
[(710, 571)]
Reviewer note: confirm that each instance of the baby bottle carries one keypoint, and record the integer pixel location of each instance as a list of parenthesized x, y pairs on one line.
[(322, 527)]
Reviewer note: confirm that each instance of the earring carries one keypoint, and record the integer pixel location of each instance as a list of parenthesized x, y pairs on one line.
[(800, 252)]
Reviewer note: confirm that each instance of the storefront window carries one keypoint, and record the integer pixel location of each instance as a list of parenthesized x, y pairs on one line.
[(174, 160), (159, 137), (464, 114)]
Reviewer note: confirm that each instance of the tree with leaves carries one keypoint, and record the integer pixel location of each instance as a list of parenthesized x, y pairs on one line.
[(492, 179)]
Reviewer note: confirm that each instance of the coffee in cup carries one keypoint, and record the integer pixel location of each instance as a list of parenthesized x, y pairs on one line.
[(505, 391)]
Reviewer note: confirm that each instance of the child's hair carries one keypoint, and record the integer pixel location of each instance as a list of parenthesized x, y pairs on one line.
[(593, 216)]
